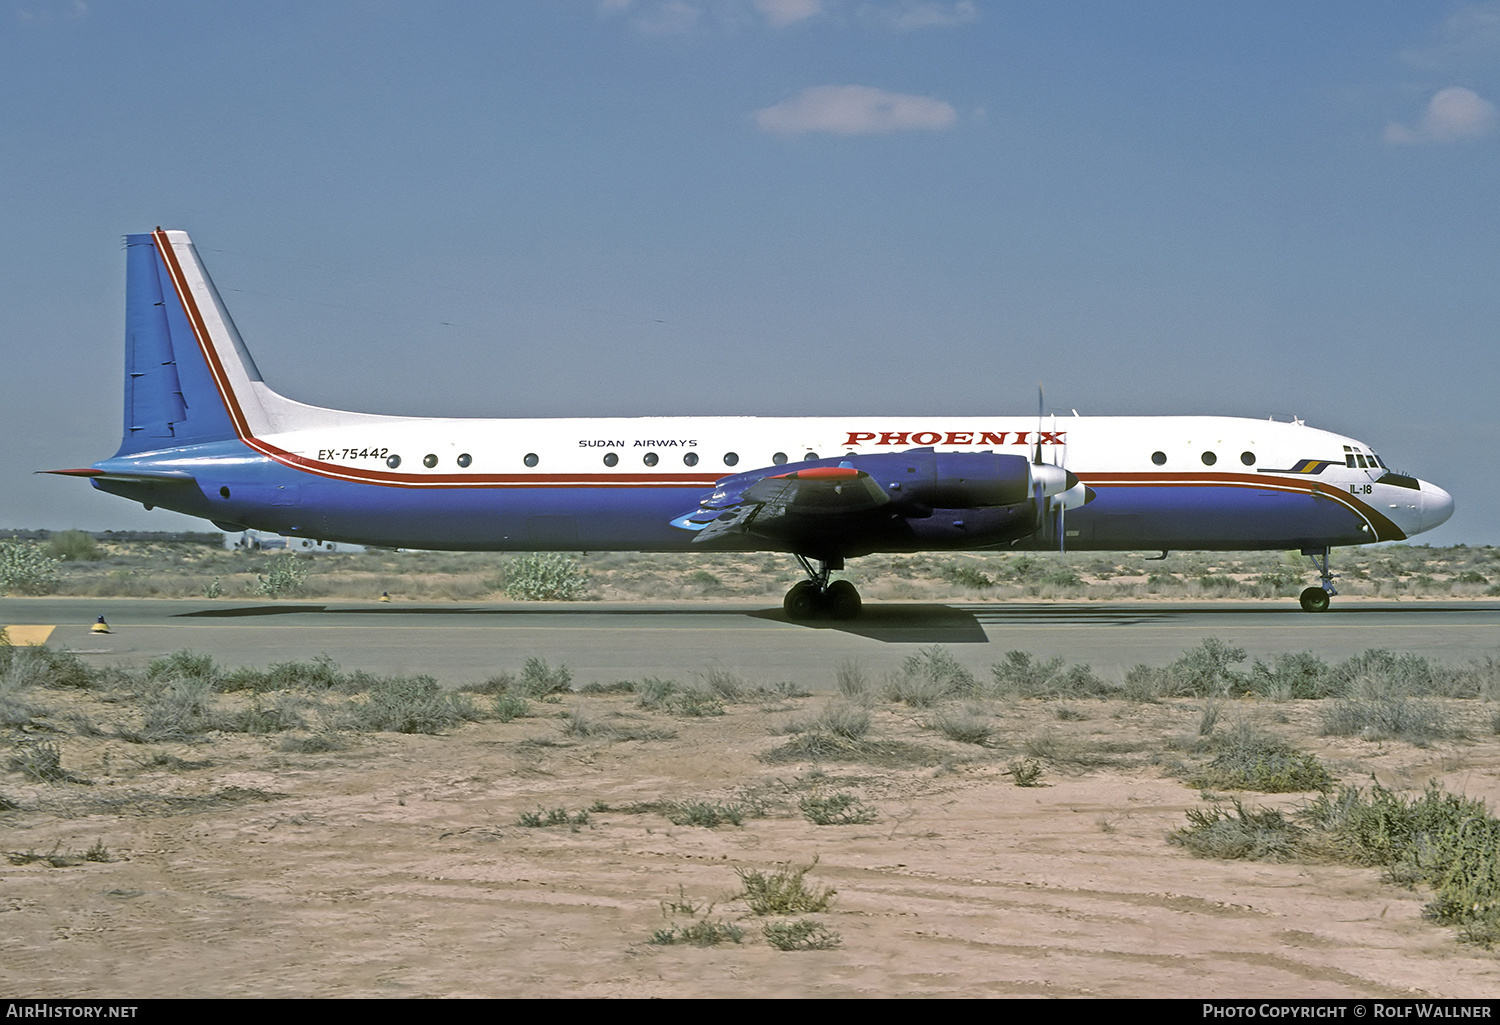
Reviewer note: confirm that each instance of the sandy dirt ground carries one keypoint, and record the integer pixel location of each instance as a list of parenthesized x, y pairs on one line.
[(398, 868)]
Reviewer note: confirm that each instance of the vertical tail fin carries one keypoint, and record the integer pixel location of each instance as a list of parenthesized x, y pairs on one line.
[(188, 376)]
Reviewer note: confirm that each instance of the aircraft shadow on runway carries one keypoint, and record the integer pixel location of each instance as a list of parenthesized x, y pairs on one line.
[(900, 624), (891, 624)]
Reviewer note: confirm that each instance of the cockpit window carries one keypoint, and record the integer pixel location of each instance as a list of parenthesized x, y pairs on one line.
[(1362, 464)]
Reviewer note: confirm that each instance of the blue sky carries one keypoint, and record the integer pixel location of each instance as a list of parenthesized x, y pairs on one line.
[(632, 207)]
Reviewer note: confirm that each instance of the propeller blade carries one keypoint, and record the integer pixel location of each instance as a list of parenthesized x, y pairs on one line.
[(1040, 405)]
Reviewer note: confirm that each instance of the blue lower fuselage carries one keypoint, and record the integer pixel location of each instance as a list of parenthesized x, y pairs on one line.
[(237, 488)]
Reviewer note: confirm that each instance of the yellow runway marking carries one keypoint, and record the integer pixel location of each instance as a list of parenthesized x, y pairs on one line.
[(21, 634)]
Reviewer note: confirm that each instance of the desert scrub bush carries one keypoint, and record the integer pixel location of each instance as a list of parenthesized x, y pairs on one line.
[(838, 731), (968, 576), (41, 762), (26, 569), (320, 673), (930, 676), (538, 679), (852, 682), (175, 709), (654, 693), (1446, 841), (836, 810), (545, 576), (1021, 676), (659, 695), (40, 666), (284, 713), (543, 818), (725, 683), (702, 932), (185, 664), (1294, 675), (704, 813), (1392, 673), (695, 703), (1025, 772), (1377, 710), (511, 706), (784, 891), (1203, 671), (1250, 759), (74, 546), (1265, 835), (966, 727), (410, 704), (802, 934), (286, 575)]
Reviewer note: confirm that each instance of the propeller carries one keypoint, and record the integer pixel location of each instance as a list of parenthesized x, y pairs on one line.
[(1050, 510)]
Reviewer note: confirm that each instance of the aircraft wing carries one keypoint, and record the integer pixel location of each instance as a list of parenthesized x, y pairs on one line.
[(895, 501), (788, 506)]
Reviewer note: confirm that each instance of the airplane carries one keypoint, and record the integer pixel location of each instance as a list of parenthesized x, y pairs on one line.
[(204, 435)]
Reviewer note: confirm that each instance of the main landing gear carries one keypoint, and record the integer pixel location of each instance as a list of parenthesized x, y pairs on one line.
[(817, 596), (1316, 599)]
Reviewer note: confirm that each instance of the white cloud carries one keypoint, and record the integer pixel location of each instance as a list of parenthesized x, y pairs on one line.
[(854, 110), (1471, 35), (781, 13), (910, 15), (1453, 114)]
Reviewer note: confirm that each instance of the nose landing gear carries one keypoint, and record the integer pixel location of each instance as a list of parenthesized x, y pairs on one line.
[(817, 596), (1316, 599)]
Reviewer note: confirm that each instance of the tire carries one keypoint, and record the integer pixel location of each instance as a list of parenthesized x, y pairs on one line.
[(801, 602), (1314, 599), (842, 600)]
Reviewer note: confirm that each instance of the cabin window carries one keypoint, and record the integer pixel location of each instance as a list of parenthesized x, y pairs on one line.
[(1209, 459), (223, 492), (690, 459), (779, 458), (393, 462), (531, 459), (1158, 458), (730, 458), (611, 458), (651, 458), (1248, 458), (429, 460), (465, 459), (810, 455)]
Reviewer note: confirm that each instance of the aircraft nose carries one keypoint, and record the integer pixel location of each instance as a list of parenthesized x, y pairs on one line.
[(1437, 505)]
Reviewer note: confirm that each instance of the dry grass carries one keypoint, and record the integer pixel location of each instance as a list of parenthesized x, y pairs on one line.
[(185, 570)]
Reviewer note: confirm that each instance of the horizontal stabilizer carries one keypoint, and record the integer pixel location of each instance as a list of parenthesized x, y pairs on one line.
[(130, 476)]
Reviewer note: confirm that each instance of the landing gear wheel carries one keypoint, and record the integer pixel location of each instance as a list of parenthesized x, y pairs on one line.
[(842, 600), (801, 602), (1314, 599)]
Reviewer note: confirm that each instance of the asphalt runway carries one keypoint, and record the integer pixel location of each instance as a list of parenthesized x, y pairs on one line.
[(458, 642)]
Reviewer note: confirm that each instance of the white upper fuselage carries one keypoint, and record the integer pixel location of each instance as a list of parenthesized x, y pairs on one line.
[(678, 451)]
